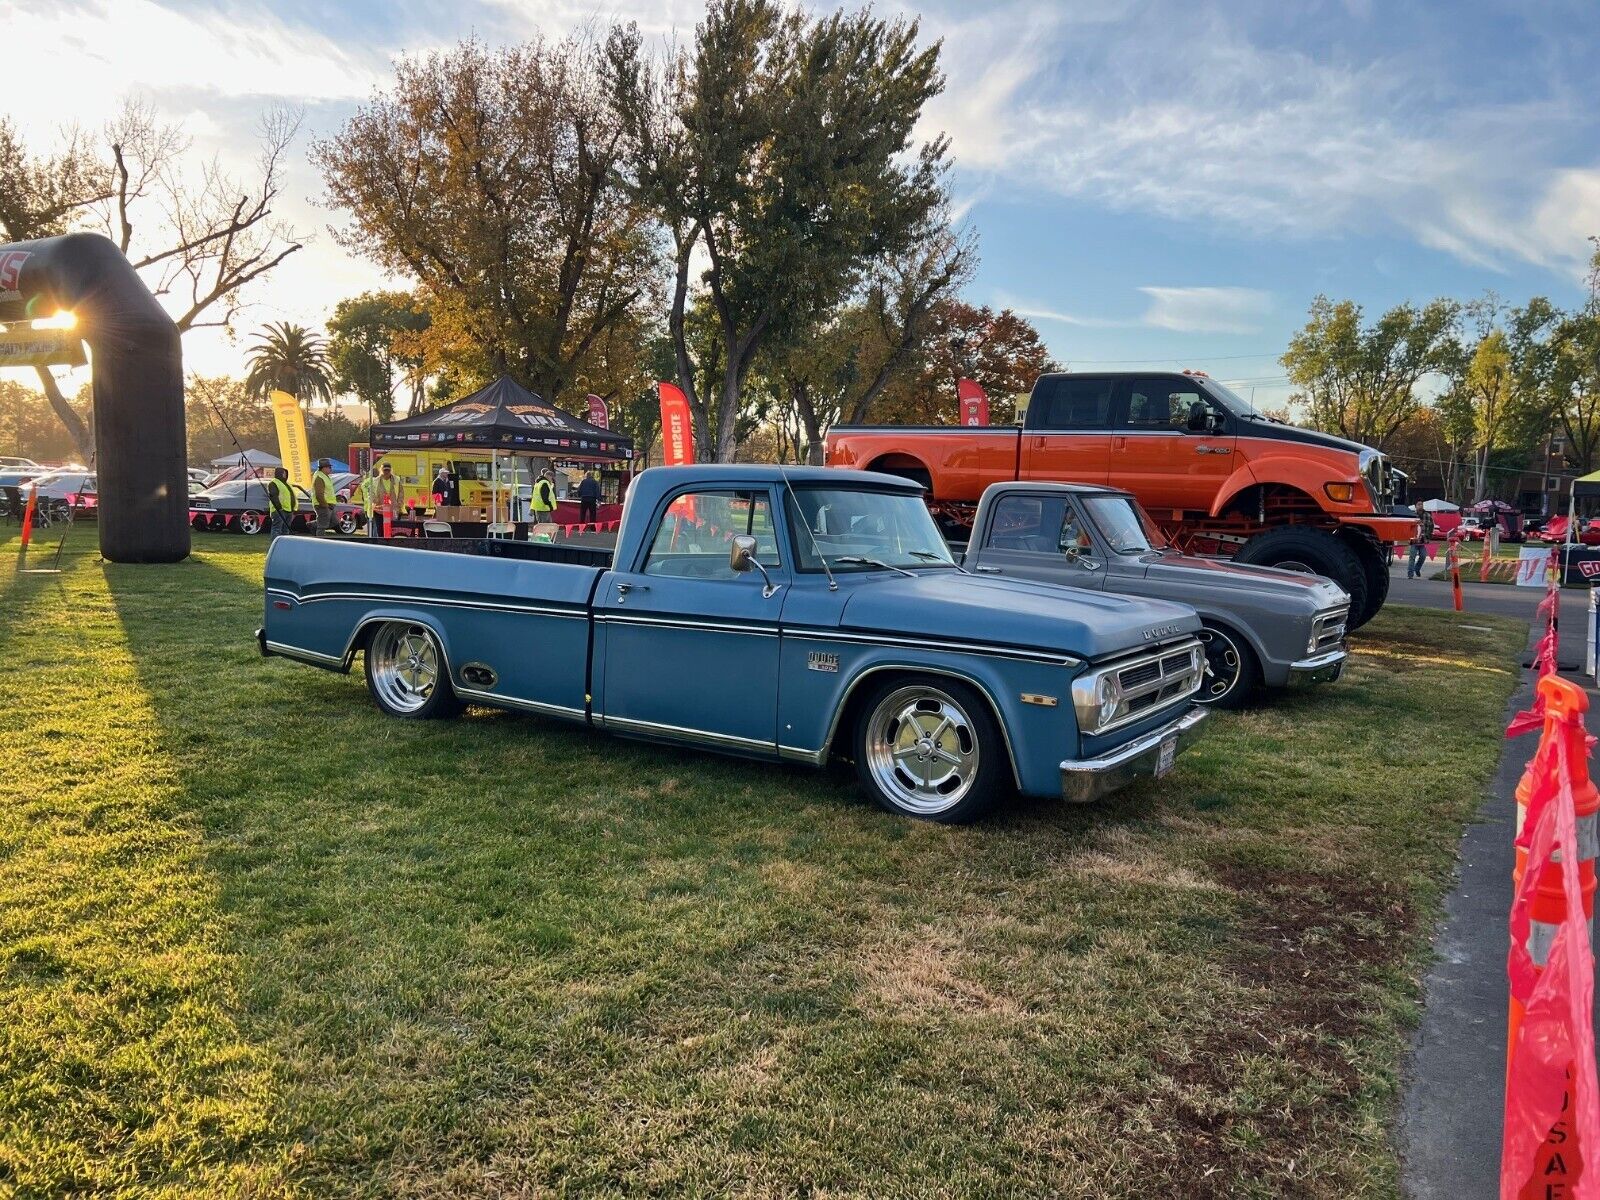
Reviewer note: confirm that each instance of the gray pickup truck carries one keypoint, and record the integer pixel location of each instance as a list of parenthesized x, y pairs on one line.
[(1262, 626)]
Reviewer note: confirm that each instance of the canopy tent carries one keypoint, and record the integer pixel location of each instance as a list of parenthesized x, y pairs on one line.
[(506, 417), (1485, 507), (1439, 506), (252, 458), (1586, 487)]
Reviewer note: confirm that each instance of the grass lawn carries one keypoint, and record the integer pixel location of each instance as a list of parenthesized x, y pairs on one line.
[(257, 940)]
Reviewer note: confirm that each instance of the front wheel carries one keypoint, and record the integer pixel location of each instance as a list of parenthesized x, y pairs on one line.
[(929, 748), (346, 522), (250, 522), (1313, 552), (406, 672), (1232, 673)]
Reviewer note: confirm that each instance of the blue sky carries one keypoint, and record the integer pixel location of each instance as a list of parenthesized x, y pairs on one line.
[(1161, 183)]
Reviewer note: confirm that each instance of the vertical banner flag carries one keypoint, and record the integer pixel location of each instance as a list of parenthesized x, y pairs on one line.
[(292, 448), (974, 402), (677, 426), (599, 412)]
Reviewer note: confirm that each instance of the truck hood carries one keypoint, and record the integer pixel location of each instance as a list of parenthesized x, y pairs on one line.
[(1013, 612), (1178, 569)]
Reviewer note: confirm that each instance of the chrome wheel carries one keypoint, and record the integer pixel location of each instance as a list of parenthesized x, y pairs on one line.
[(1223, 665), (922, 749), (403, 665), (250, 522), (347, 522)]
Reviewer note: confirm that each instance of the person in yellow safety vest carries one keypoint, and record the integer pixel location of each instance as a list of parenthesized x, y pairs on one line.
[(543, 501), (282, 501), (369, 500), (323, 496), (383, 483)]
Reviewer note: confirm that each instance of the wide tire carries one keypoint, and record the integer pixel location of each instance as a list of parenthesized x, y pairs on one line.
[(1375, 564), (929, 748), (407, 674), (1314, 552), (1232, 672)]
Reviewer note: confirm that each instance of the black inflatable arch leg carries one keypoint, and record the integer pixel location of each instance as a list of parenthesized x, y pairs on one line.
[(137, 359)]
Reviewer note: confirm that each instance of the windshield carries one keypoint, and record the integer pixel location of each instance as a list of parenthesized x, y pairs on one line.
[(1233, 401), (891, 528), (1123, 523)]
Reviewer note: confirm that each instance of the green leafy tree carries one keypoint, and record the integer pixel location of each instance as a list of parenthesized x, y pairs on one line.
[(1360, 380), (220, 409), (780, 149), (289, 358), (374, 351), (490, 175)]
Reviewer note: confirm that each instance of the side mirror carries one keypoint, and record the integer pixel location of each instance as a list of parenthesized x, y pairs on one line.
[(742, 558), (1199, 417)]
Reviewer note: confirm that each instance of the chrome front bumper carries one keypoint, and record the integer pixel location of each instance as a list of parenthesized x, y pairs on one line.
[(1089, 779), (1324, 668)]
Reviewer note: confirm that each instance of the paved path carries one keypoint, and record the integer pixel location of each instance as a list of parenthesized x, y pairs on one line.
[(1499, 598)]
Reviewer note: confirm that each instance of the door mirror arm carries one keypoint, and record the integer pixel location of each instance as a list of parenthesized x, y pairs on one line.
[(742, 557)]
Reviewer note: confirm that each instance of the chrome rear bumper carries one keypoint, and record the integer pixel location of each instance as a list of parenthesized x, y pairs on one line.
[(1086, 780), (1324, 668)]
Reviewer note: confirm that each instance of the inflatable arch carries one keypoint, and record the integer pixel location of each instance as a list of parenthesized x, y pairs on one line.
[(137, 378)]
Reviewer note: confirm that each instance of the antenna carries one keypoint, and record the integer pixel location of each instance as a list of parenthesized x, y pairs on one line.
[(833, 584)]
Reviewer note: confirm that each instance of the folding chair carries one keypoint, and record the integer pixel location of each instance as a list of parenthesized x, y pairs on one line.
[(437, 529), (502, 529)]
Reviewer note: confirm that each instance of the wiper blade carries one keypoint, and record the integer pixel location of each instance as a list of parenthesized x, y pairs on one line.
[(873, 562), (938, 558)]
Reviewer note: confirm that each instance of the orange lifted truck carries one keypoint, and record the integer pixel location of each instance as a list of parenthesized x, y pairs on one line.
[(1217, 476)]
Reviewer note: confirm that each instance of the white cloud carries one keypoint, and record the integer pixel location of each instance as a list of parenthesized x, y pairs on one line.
[(1207, 309)]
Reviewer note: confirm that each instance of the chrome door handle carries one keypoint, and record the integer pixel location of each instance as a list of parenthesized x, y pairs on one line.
[(987, 570), (624, 588)]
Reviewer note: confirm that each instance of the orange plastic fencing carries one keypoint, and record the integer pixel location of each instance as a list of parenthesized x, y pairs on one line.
[(1552, 1100)]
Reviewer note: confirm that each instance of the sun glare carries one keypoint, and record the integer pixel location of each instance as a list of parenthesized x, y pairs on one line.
[(62, 320)]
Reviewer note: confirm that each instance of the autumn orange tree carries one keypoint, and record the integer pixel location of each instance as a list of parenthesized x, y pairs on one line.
[(490, 176), (1001, 351)]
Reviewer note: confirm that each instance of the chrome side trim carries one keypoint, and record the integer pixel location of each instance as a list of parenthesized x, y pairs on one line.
[(611, 618), (656, 729), (823, 754), (907, 641), (533, 706), (814, 758), (311, 656), (443, 602)]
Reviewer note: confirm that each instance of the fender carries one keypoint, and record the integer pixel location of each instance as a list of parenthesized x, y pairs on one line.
[(1303, 472), (400, 613)]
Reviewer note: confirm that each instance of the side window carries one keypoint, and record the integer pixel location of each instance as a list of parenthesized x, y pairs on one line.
[(1161, 404), (1032, 524), (1073, 535), (693, 538), (1065, 402)]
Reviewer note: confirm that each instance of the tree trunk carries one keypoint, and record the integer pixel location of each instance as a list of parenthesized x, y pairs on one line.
[(680, 346), (81, 437), (801, 395)]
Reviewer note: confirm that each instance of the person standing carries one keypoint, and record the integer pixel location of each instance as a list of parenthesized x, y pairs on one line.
[(589, 497), (371, 497), (441, 487), (1419, 545), (543, 501), (385, 487), (282, 503), (323, 495)]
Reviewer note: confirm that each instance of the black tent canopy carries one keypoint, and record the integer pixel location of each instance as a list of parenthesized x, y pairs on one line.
[(505, 417)]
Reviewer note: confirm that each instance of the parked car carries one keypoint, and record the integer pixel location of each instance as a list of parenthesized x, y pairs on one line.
[(1218, 477), (344, 484), (240, 506), (794, 614), (1261, 625), (9, 462)]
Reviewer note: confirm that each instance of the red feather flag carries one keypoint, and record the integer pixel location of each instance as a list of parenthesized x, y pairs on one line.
[(974, 402), (677, 426)]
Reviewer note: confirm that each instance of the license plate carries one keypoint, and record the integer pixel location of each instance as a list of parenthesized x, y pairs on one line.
[(1164, 760)]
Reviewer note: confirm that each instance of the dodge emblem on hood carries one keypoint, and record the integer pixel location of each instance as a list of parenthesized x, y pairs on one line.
[(1160, 631)]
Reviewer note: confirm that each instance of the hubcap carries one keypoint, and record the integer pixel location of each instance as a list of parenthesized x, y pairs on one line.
[(1222, 665), (922, 749), (405, 666)]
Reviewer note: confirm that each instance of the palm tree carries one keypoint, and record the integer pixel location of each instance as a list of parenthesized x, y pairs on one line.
[(292, 359)]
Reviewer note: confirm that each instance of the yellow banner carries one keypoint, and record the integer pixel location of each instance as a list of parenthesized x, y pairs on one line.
[(292, 438), (40, 348)]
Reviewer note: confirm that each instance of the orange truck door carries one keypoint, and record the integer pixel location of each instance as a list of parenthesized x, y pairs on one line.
[(1068, 433), (1159, 452)]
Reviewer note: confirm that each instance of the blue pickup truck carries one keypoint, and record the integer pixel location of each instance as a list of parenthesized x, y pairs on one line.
[(777, 613)]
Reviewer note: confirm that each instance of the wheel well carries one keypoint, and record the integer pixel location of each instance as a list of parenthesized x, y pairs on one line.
[(841, 738), (906, 467), (1275, 504)]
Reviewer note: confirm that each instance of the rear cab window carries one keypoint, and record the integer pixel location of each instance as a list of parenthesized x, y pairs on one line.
[(1071, 402)]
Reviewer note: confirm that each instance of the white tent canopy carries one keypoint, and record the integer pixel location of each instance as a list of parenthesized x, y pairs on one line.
[(254, 458), (1439, 506)]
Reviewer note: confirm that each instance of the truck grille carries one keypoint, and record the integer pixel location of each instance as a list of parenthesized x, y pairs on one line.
[(1154, 680), (1380, 479), (1328, 629)]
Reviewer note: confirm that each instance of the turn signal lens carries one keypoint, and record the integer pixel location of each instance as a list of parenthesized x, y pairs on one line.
[(1343, 493)]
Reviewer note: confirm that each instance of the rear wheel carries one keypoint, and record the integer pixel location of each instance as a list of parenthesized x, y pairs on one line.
[(250, 521), (929, 748), (1374, 559), (1314, 552), (346, 522), (406, 672)]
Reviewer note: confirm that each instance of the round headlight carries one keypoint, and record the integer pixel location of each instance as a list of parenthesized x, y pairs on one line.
[(1108, 699)]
